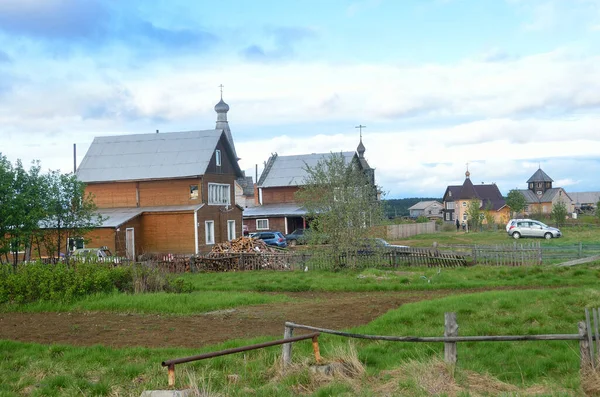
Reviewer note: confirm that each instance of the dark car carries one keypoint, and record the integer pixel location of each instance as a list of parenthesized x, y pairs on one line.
[(276, 239), (296, 237)]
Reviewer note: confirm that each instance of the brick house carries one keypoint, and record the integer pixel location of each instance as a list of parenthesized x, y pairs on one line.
[(282, 177), (457, 198), (164, 192)]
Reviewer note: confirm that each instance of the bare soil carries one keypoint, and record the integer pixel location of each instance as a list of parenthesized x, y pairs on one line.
[(329, 310)]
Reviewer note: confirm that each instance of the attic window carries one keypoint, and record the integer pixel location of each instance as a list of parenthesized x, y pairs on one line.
[(464, 203), (193, 192), (449, 194), (218, 157)]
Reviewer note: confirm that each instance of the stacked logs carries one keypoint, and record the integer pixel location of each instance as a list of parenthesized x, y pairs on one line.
[(243, 253)]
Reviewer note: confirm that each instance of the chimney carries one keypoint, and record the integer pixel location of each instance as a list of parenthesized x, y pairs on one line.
[(157, 131)]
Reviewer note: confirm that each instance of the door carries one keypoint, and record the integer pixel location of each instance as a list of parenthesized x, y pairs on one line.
[(130, 243)]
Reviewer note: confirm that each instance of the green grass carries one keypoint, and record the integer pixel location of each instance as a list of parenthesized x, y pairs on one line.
[(39, 370), (572, 235), (401, 279), (163, 303)]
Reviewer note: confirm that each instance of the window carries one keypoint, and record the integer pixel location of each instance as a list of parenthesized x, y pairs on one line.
[(218, 157), (449, 193), (539, 184), (230, 230), (218, 194), (193, 192), (464, 203), (262, 224), (209, 230), (464, 217)]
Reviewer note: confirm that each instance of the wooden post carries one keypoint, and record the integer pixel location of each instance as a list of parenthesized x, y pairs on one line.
[(171, 375), (590, 333), (315, 343), (584, 346), (287, 347), (579, 252), (450, 329)]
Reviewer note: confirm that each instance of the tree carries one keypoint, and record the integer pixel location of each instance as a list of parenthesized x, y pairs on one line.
[(598, 210), (70, 213), (489, 215), (559, 212), (342, 202), (516, 202), (474, 214), (6, 197)]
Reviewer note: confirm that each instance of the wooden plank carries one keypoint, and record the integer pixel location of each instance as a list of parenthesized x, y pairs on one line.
[(450, 329), (579, 261), (286, 354), (589, 336), (596, 333), (584, 349)]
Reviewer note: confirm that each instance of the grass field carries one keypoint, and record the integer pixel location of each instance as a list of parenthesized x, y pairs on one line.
[(42, 370)]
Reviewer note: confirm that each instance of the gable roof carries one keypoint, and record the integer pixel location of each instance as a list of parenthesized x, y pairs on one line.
[(151, 156), (247, 185), (547, 197), (468, 191), (452, 192), (421, 205), (585, 197), (290, 170), (539, 176)]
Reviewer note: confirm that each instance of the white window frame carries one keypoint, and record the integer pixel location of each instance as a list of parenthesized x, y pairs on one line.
[(219, 194), (209, 232), (464, 217), (464, 203), (218, 157), (230, 230), (258, 221)]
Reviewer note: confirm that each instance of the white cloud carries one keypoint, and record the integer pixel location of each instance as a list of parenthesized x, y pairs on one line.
[(540, 106)]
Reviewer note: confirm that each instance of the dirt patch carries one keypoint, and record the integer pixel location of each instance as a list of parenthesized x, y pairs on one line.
[(329, 310)]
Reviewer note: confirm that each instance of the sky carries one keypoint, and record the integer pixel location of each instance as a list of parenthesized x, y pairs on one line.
[(505, 86)]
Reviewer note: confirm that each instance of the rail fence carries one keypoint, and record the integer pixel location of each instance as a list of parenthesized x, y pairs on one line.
[(588, 336)]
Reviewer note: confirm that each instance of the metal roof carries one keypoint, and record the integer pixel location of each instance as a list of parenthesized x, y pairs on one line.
[(421, 205), (148, 156), (547, 197), (285, 209), (539, 176), (115, 217), (585, 197), (291, 170)]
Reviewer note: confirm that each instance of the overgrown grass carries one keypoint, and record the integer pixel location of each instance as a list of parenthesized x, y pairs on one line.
[(163, 303), (39, 370)]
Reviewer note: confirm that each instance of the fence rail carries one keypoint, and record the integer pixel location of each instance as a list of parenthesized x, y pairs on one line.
[(589, 332)]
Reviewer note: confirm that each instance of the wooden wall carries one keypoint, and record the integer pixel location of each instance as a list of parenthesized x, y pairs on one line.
[(168, 192), (275, 224), (284, 194), (167, 233), (220, 216), (113, 195)]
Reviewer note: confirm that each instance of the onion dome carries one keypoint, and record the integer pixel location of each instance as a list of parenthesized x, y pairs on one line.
[(221, 107), (361, 149)]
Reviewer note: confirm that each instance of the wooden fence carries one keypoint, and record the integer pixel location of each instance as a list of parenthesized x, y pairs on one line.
[(522, 254), (399, 232), (588, 332)]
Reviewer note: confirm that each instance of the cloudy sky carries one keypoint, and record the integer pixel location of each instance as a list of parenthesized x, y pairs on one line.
[(504, 85)]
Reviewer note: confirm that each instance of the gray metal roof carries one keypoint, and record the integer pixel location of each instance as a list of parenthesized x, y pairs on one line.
[(421, 205), (148, 156), (115, 217), (285, 209), (539, 176), (585, 197), (290, 170), (547, 197)]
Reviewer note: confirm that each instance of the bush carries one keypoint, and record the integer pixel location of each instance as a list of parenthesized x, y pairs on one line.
[(61, 282)]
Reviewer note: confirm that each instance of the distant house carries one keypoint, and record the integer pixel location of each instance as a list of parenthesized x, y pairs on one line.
[(244, 192), (428, 209), (541, 196), (458, 197), (164, 193), (583, 201), (282, 177)]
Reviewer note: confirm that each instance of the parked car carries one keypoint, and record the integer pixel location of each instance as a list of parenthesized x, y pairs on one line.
[(276, 239), (531, 228), (101, 254), (296, 237)]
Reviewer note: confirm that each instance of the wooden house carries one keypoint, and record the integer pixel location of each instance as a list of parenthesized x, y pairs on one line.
[(458, 197), (541, 196), (282, 177), (428, 209), (167, 193)]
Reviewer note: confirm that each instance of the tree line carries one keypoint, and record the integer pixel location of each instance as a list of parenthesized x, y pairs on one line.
[(41, 212)]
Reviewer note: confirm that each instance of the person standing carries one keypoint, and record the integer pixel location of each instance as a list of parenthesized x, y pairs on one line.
[(457, 225)]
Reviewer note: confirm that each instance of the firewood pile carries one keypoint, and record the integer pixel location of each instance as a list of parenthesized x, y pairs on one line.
[(243, 253), (240, 245)]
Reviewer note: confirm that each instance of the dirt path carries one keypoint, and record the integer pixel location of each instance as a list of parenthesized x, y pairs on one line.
[(330, 310)]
